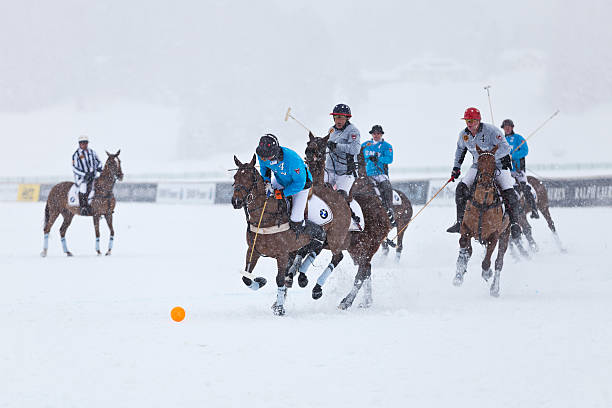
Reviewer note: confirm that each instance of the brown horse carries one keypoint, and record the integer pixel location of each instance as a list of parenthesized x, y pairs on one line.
[(274, 238), (484, 220), (361, 245), (103, 204), (543, 205)]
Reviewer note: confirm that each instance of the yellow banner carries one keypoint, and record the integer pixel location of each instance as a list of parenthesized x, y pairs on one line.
[(28, 192)]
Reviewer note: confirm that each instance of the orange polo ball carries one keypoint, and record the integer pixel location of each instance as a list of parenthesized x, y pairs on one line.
[(177, 314)]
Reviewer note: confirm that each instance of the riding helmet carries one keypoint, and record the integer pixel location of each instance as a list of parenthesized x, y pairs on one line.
[(83, 138), (377, 129), (268, 146), (507, 122), (472, 113), (342, 110)]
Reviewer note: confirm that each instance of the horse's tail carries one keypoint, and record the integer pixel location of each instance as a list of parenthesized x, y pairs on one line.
[(47, 214)]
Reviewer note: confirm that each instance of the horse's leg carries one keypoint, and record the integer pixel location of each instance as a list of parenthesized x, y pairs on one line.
[(96, 222), (364, 272), (50, 217), (486, 262), (279, 306), (317, 290), (400, 244), (301, 265), (465, 252), (257, 282), (499, 261), (111, 240), (67, 220), (385, 248), (551, 225)]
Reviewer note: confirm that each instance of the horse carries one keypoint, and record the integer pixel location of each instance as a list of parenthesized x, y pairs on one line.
[(484, 220), (103, 204), (403, 215), (543, 205), (272, 237), (361, 245)]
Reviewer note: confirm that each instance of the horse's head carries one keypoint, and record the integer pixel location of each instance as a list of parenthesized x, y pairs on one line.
[(245, 183), (315, 150), (113, 164), (486, 164)]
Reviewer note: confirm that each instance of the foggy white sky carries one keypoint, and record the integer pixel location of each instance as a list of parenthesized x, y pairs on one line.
[(232, 67)]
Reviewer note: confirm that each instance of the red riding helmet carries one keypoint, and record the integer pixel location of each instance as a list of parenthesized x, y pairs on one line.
[(471, 113)]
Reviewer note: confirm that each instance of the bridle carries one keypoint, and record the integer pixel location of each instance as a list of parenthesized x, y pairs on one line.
[(248, 191)]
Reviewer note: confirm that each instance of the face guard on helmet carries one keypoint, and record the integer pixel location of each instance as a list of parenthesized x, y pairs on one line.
[(472, 114), (268, 147), (342, 110)]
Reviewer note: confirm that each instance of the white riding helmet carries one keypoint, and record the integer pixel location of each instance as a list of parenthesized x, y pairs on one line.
[(83, 138)]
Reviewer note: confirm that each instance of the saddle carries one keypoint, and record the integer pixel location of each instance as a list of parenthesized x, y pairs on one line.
[(73, 196)]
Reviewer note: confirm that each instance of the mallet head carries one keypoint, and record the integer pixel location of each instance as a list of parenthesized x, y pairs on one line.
[(287, 114)]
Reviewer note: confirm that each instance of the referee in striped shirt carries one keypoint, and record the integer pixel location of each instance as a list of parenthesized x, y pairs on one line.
[(86, 167)]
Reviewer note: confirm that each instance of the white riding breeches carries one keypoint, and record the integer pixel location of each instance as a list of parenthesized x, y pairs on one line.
[(344, 182), (520, 176), (80, 183), (298, 201), (503, 179)]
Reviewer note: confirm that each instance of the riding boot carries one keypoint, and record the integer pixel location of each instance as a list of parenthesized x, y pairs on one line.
[(354, 216), (512, 208), (316, 233), (461, 196), (531, 200), (84, 207)]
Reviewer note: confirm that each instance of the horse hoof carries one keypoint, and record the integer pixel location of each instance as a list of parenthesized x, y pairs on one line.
[(344, 304), (261, 281), (43, 253), (99, 253), (69, 253), (486, 275), (458, 281), (302, 280), (317, 292), (289, 281), (494, 292), (108, 253), (278, 310)]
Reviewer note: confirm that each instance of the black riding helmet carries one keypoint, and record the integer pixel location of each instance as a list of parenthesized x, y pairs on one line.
[(377, 129), (507, 122), (268, 146), (341, 109)]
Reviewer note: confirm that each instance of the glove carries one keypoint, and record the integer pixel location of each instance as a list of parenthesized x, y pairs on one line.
[(269, 190), (506, 162), (374, 158), (89, 177), (455, 174), (332, 145), (278, 194)]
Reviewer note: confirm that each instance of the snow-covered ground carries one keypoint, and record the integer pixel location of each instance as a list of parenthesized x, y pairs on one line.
[(96, 331)]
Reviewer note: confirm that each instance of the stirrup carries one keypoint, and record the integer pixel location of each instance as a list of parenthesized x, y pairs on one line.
[(534, 214)]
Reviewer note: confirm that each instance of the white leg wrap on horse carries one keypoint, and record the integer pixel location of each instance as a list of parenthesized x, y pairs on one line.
[(97, 244), (325, 274), (64, 246), (46, 242), (307, 262), (280, 296), (110, 242)]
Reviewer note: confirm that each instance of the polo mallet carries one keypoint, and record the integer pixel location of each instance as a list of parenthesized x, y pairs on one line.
[(490, 106), (416, 215), (534, 132), (289, 115)]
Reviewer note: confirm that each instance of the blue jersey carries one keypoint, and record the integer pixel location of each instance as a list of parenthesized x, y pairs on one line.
[(514, 140), (289, 170), (384, 151)]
